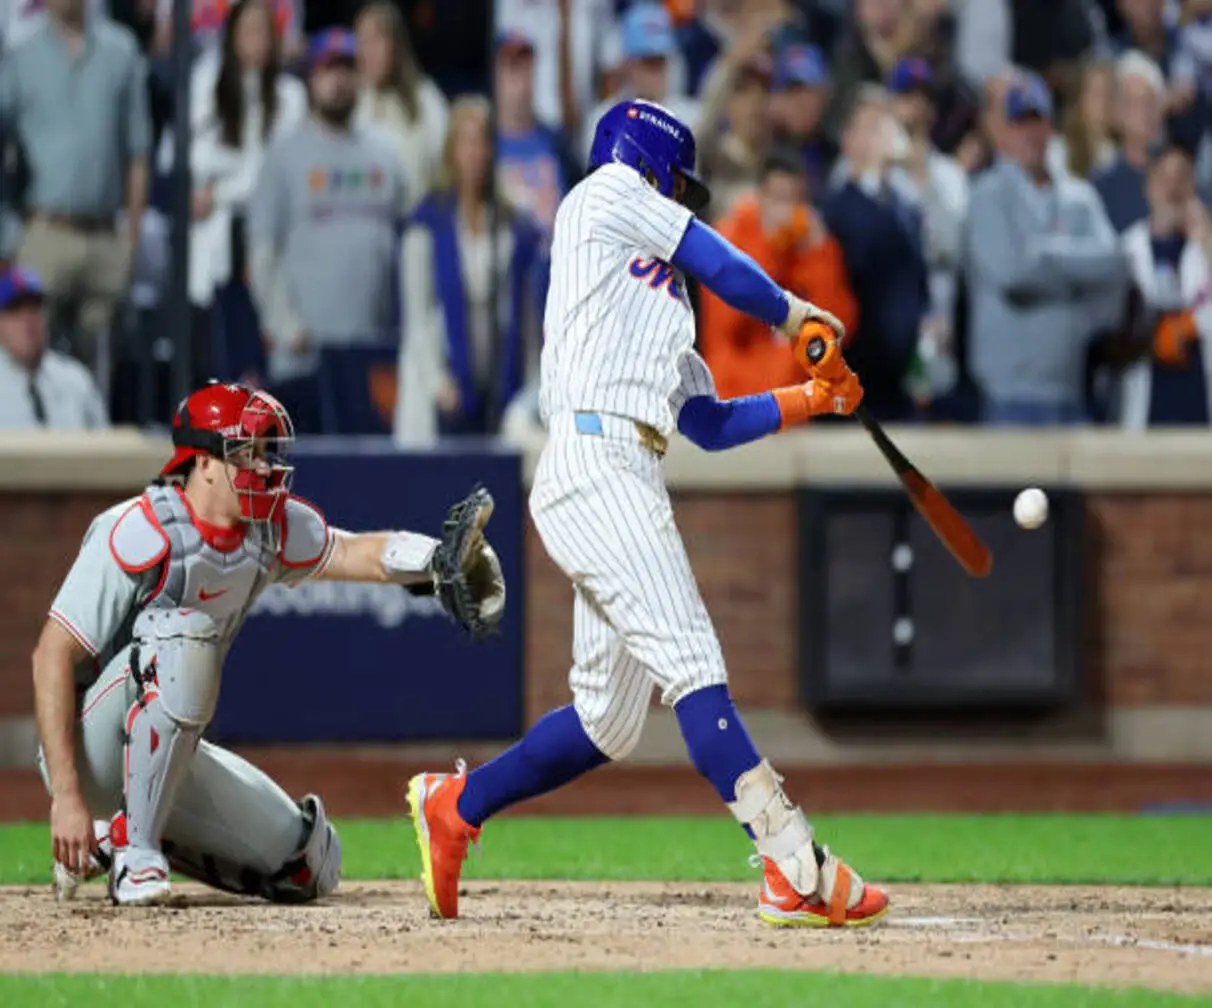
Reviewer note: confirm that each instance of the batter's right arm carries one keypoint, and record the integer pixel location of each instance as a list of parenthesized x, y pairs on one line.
[(737, 280)]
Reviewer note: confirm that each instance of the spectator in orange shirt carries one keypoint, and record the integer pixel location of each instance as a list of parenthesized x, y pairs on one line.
[(781, 230)]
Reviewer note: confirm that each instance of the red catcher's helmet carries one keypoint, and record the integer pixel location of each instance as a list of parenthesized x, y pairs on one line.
[(245, 427)]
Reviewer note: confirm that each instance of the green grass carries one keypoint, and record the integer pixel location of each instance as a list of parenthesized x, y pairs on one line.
[(1146, 850), (753, 988)]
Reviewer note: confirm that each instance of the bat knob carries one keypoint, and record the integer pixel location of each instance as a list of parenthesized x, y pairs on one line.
[(816, 349)]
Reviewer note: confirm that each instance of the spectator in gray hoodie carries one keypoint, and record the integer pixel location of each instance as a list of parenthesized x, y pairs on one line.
[(323, 233), (1042, 259)]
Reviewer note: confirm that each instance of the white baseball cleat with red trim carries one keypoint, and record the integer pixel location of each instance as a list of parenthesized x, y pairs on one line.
[(139, 877)]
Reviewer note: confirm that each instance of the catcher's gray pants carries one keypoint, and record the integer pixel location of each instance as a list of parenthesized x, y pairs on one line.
[(226, 808)]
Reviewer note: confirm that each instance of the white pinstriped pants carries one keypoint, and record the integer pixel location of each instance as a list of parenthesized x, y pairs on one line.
[(602, 510)]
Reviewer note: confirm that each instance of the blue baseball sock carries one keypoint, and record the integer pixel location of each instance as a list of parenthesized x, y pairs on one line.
[(555, 751), (719, 745)]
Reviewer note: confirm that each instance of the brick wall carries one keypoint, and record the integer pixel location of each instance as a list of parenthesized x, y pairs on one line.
[(1148, 591), (1149, 588), (39, 536)]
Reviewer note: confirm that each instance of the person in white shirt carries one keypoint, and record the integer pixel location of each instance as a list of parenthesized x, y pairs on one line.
[(39, 387), (649, 49), (398, 97), (593, 51), (239, 106), (458, 367)]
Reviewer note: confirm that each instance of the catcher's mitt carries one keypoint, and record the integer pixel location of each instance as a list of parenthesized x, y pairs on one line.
[(466, 572)]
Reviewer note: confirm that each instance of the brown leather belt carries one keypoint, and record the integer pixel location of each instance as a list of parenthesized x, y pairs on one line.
[(652, 439), (76, 222), (601, 425)]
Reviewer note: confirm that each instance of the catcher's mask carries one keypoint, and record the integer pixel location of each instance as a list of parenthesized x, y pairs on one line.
[(246, 428)]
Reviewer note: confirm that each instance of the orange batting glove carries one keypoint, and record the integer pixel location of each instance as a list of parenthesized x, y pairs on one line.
[(1170, 338), (797, 403), (819, 352)]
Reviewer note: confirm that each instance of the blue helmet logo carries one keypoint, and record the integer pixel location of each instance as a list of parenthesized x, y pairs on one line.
[(653, 141)]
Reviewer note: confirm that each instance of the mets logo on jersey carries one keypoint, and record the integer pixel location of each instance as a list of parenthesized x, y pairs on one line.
[(657, 274)]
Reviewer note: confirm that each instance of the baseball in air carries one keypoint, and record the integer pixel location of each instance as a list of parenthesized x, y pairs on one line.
[(1031, 508)]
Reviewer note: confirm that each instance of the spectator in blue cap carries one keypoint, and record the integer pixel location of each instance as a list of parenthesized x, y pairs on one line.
[(1043, 265), (39, 387), (801, 93), (649, 49)]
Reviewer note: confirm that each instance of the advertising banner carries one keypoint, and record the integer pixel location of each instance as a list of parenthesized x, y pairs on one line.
[(335, 662)]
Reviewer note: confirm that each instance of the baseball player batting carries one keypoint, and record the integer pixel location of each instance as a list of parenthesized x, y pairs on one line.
[(619, 374), (127, 669)]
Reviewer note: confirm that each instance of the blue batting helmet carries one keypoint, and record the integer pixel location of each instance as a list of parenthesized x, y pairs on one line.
[(652, 140)]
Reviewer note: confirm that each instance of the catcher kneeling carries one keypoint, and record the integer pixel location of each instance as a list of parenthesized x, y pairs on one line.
[(127, 669)]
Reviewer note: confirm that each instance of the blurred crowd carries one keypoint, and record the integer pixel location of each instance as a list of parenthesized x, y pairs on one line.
[(1004, 200)]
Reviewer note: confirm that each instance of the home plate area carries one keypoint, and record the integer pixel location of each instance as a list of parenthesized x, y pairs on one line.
[(1110, 935)]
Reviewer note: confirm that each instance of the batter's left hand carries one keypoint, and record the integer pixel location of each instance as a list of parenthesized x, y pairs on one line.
[(801, 313), (819, 352)]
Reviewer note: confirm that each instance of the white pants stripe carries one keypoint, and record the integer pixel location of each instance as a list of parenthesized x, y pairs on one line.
[(602, 510)]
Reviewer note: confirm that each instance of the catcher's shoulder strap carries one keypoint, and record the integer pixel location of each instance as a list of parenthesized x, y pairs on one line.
[(138, 540)]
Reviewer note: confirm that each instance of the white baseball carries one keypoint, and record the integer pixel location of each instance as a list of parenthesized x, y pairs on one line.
[(1031, 508)]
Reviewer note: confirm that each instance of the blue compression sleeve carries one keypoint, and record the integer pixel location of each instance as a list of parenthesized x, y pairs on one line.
[(715, 424), (730, 274), (555, 751)]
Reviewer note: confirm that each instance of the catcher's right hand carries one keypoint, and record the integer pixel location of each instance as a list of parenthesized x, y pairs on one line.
[(466, 572)]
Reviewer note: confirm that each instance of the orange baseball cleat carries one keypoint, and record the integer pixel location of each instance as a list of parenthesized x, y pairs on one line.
[(781, 906), (442, 836)]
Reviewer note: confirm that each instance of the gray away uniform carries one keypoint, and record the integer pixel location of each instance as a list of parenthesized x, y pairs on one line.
[(145, 564)]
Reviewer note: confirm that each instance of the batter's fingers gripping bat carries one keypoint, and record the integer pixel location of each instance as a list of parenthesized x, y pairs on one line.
[(947, 523)]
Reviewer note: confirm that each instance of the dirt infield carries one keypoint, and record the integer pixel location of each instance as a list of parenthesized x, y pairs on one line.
[(1160, 938)]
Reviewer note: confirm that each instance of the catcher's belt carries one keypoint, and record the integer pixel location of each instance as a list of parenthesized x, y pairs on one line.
[(608, 425)]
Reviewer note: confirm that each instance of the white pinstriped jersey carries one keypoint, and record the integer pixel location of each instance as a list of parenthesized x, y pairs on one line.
[(618, 320)]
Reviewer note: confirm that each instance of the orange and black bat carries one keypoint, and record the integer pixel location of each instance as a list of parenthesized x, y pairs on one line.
[(948, 524)]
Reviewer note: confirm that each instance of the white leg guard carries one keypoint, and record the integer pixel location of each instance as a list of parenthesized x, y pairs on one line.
[(180, 679), (310, 873), (315, 870), (780, 829), (782, 834)]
